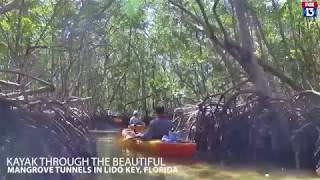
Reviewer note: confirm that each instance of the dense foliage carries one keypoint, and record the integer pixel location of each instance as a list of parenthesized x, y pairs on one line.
[(132, 54)]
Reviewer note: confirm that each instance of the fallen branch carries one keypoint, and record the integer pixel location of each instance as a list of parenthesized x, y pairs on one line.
[(55, 101), (29, 92), (30, 76), (76, 99), (10, 84)]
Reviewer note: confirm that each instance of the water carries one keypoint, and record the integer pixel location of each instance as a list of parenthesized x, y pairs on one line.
[(189, 169)]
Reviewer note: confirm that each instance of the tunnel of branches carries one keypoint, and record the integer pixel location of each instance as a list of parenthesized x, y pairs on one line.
[(240, 126), (235, 126), (44, 127), (64, 64)]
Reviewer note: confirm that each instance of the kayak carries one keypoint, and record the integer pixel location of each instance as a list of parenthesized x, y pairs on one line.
[(136, 128), (157, 147)]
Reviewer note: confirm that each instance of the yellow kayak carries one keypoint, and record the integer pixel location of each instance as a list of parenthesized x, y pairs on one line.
[(157, 147)]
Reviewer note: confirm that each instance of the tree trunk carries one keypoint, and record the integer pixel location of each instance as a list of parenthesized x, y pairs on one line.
[(247, 59)]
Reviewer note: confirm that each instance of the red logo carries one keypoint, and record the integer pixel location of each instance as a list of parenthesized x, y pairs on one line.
[(309, 4)]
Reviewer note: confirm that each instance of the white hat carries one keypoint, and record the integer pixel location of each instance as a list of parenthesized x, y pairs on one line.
[(135, 112)]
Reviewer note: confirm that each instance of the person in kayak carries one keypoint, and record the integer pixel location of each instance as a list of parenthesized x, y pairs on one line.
[(158, 127), (135, 120)]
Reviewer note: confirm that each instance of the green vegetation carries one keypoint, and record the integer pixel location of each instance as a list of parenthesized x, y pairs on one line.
[(260, 58), (132, 54)]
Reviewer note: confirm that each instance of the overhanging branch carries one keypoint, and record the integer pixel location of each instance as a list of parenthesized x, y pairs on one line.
[(30, 76), (10, 6)]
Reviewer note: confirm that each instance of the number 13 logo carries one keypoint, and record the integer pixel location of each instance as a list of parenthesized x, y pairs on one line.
[(310, 12)]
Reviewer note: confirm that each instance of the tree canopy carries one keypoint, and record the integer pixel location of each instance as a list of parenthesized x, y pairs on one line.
[(133, 54)]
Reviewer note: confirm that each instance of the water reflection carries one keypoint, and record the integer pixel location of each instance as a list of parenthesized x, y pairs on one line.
[(189, 169)]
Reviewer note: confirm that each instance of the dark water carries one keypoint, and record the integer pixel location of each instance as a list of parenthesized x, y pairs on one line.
[(189, 169)]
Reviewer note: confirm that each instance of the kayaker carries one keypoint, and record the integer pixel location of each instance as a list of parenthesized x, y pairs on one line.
[(135, 120), (158, 127)]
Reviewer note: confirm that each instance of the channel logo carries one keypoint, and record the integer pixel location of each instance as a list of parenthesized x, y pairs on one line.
[(310, 8)]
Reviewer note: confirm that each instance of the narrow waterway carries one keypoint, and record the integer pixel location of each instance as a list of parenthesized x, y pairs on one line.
[(189, 169)]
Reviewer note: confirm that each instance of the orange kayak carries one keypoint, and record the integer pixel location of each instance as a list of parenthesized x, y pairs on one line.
[(136, 128), (157, 147)]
